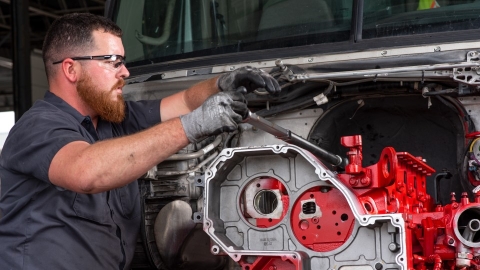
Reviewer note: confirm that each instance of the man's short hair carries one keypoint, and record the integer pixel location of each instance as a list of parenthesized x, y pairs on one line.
[(72, 34)]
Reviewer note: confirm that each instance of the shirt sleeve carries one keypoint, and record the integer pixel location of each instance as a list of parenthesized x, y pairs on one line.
[(140, 115), (35, 140)]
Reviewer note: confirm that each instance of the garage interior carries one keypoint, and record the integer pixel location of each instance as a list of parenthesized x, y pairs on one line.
[(23, 83)]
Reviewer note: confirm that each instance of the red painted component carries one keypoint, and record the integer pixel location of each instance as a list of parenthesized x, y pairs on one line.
[(322, 219), (437, 237), (434, 234)]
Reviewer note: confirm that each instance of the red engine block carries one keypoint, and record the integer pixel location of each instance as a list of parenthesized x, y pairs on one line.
[(437, 237)]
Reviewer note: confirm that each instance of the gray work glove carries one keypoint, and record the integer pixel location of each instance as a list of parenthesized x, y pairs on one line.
[(219, 113), (249, 77)]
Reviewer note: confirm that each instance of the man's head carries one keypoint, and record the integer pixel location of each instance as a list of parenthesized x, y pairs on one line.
[(84, 53), (72, 35)]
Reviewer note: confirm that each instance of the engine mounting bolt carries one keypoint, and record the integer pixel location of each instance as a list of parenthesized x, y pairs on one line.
[(452, 197), (393, 247), (353, 181), (378, 266), (314, 220), (454, 205), (365, 181)]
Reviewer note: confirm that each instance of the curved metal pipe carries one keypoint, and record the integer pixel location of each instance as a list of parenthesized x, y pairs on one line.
[(200, 165), (199, 153)]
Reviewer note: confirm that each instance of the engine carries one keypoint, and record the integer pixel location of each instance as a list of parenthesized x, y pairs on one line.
[(299, 214), (404, 196)]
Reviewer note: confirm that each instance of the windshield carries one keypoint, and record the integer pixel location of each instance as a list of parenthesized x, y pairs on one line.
[(162, 30)]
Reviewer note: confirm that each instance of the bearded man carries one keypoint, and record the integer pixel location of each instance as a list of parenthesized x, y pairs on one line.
[(68, 168)]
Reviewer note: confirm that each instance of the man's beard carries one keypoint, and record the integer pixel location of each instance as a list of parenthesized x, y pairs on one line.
[(100, 101)]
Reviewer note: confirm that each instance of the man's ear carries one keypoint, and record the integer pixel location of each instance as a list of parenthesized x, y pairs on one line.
[(71, 70)]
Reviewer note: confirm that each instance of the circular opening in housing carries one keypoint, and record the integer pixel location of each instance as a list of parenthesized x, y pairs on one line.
[(265, 202), (469, 224), (262, 202)]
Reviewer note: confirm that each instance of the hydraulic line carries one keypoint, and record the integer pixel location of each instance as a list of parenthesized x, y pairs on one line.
[(199, 153), (196, 168)]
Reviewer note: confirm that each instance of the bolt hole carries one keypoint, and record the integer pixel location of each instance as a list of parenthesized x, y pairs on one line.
[(334, 212), (368, 207), (258, 185), (344, 217), (336, 224), (319, 227), (339, 233), (311, 195), (303, 237)]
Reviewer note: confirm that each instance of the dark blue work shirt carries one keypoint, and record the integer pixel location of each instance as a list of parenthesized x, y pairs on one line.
[(47, 227)]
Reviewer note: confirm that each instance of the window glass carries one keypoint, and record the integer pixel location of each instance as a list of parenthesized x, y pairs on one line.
[(387, 18), (156, 30)]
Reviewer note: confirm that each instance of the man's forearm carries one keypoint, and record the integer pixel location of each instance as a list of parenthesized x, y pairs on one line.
[(198, 93), (187, 100)]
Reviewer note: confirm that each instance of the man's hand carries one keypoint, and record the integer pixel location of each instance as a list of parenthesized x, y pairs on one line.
[(219, 113), (249, 77)]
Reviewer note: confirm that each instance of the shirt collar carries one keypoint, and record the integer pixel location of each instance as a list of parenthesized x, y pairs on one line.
[(64, 106)]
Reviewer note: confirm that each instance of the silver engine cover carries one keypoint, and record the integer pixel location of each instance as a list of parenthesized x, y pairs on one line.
[(234, 179)]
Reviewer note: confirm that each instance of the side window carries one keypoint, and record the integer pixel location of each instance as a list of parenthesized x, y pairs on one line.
[(173, 29), (386, 18)]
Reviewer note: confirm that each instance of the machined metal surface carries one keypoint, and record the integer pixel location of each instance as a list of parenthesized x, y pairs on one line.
[(298, 170)]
